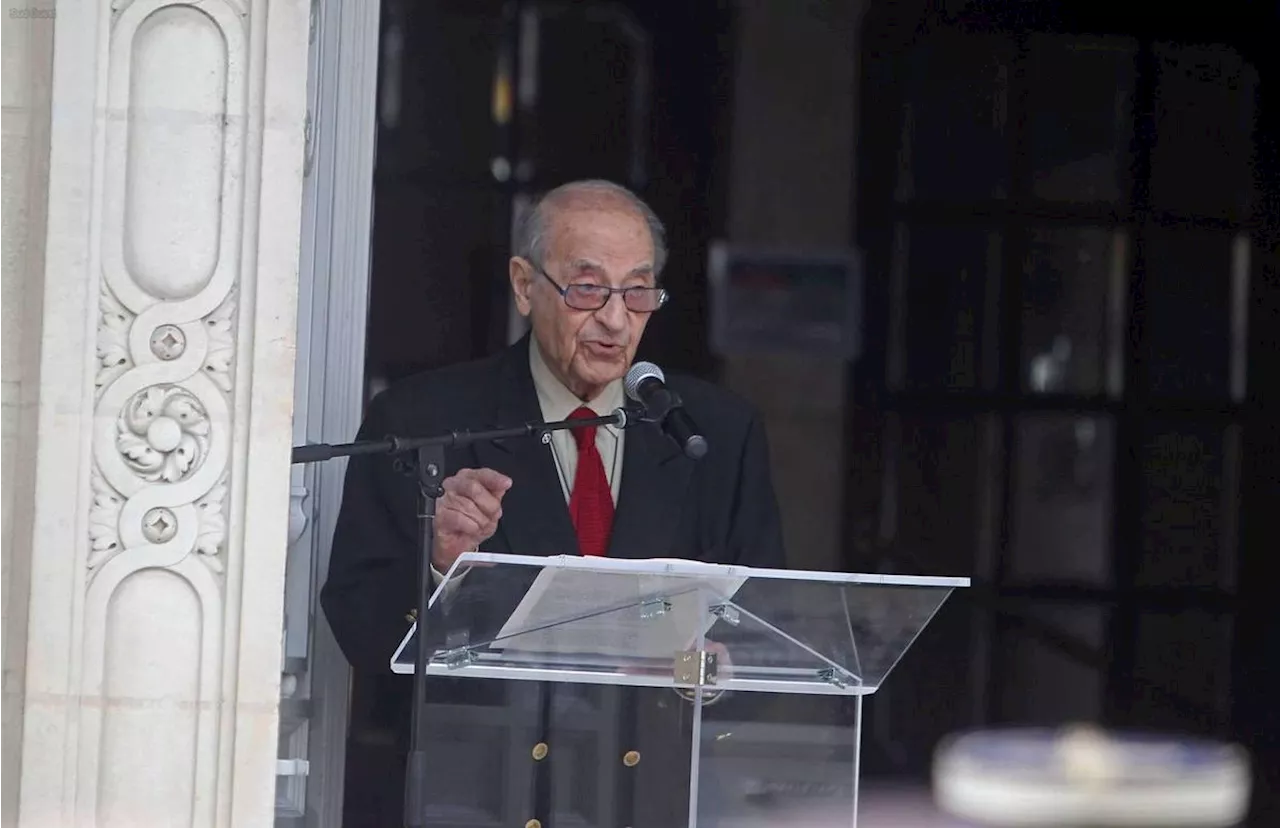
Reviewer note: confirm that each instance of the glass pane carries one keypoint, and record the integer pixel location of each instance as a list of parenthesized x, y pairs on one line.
[(421, 313), (438, 58), (954, 144), (606, 621), (560, 753), (1062, 499), (1189, 504), (1071, 313), (601, 721), (587, 115), (768, 760), (945, 308), (1205, 100), (1188, 312), (941, 686), (1081, 117), (1183, 672), (933, 492), (1042, 683)]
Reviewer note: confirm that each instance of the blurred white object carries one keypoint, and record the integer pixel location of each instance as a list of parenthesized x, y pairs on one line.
[(1049, 369), (1085, 776)]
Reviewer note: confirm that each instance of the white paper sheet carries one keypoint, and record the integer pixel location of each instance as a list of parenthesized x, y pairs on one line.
[(610, 613)]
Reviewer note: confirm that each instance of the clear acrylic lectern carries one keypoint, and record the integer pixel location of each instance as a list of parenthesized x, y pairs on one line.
[(571, 691)]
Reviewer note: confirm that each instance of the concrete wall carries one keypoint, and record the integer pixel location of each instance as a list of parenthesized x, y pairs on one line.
[(792, 181)]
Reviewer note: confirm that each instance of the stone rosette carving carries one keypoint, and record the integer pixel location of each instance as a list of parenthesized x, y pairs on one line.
[(163, 433), (167, 384), (170, 263)]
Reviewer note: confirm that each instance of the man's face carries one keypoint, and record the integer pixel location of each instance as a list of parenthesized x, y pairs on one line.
[(602, 242)]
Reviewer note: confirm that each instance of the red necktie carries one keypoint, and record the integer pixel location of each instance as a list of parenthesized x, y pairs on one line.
[(591, 502)]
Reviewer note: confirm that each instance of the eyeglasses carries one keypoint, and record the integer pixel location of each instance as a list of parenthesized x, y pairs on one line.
[(592, 297)]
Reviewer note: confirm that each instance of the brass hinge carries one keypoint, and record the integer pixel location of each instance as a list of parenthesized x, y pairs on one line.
[(695, 667)]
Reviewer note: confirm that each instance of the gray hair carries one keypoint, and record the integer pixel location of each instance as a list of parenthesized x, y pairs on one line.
[(531, 230)]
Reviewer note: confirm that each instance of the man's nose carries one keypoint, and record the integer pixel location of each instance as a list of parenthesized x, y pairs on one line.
[(614, 313)]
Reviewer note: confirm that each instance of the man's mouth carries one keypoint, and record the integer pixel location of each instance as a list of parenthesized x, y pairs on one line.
[(603, 348)]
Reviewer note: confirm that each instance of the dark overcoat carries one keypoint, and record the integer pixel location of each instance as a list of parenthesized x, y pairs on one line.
[(505, 753)]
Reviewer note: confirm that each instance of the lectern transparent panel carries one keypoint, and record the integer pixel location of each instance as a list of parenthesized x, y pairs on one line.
[(768, 759), (505, 753), (624, 622), (599, 692)]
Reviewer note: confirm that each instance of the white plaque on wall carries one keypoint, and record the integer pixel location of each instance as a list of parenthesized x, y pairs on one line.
[(777, 300)]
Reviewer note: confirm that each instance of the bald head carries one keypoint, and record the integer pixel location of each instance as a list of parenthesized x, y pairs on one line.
[(578, 240), (533, 232)]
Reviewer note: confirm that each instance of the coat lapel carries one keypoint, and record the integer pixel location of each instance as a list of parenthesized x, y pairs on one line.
[(535, 518), (655, 477)]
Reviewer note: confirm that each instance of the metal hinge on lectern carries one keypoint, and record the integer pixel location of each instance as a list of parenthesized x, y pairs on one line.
[(695, 667)]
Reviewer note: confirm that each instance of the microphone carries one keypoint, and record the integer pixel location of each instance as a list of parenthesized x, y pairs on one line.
[(646, 384)]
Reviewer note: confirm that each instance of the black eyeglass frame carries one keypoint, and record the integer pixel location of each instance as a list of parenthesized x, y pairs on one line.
[(605, 292)]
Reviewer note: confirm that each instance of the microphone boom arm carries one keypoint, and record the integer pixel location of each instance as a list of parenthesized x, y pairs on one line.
[(391, 444)]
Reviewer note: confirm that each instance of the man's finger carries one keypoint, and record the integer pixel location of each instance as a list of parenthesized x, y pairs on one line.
[(475, 502), (496, 482), (487, 502), (468, 490), (468, 507), (457, 522)]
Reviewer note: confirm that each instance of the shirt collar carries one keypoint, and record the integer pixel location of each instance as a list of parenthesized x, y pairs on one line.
[(558, 402)]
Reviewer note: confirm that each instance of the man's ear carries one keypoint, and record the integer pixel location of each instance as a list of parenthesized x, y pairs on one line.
[(521, 275)]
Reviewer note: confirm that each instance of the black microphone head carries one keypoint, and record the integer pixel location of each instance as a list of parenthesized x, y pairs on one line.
[(640, 372)]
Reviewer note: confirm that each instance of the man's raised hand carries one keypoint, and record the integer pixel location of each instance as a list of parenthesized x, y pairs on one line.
[(467, 514)]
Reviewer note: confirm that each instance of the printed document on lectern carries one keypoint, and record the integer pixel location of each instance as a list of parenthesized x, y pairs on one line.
[(644, 609)]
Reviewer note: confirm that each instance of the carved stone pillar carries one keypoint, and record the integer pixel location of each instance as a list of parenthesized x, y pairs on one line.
[(161, 501)]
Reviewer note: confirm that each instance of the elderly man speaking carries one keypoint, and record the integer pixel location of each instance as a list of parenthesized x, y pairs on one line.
[(587, 274)]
